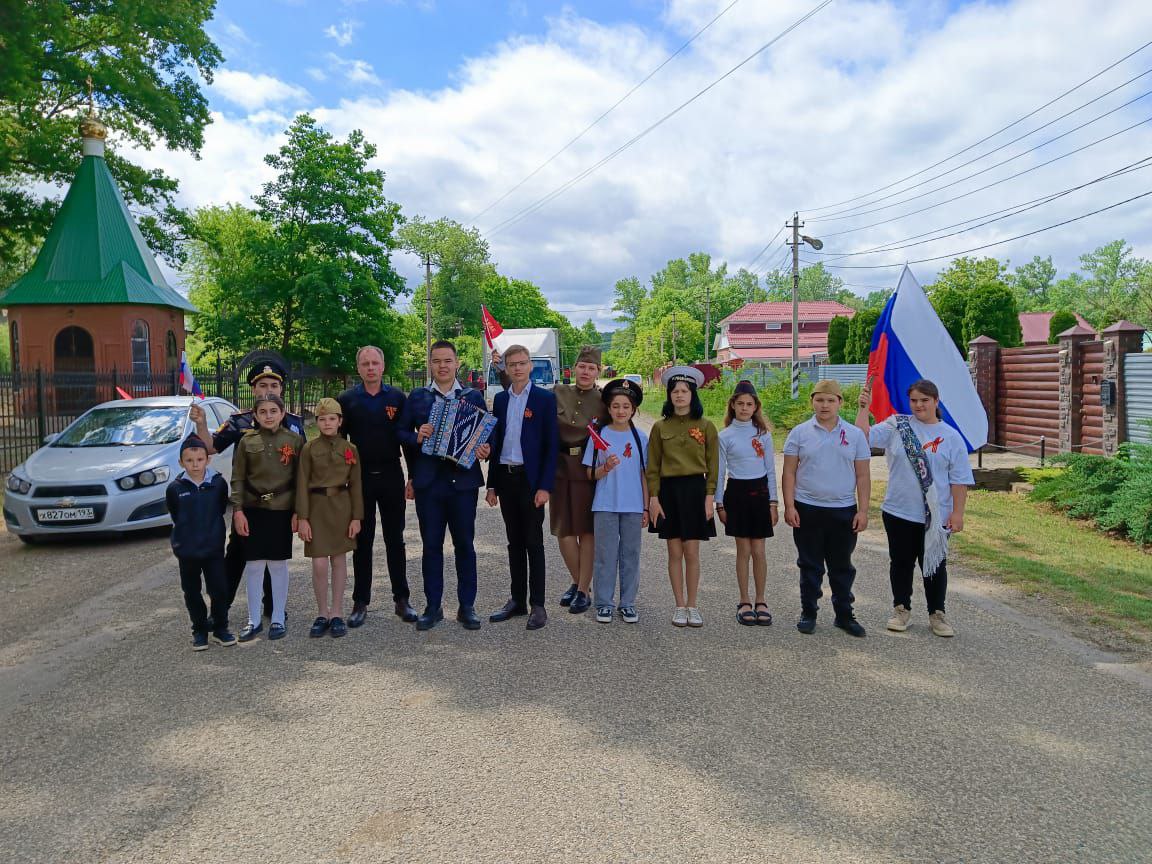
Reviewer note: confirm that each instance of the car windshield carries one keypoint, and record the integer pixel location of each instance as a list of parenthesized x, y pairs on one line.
[(125, 426), (541, 373)]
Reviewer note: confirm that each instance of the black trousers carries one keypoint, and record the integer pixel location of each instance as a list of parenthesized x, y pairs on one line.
[(905, 551), (234, 561), (212, 569), (440, 509), (825, 539), (383, 491), (524, 525)]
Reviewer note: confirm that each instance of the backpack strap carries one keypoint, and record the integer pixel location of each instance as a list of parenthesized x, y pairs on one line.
[(639, 445)]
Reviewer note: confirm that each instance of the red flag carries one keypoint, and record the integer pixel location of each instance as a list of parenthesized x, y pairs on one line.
[(492, 328), (124, 394), (598, 442)]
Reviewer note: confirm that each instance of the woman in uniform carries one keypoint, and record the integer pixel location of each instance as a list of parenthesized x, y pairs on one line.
[(329, 507)]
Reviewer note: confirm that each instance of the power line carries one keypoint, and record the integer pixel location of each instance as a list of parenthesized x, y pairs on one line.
[(564, 187), (767, 246), (1008, 212), (973, 160), (987, 137), (987, 245), (992, 167), (613, 107)]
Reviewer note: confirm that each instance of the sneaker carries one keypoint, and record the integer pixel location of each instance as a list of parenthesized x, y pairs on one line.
[(568, 596), (199, 641), (629, 614), (250, 632), (900, 618), (604, 614), (319, 627), (680, 617), (223, 636), (939, 626), (277, 631), (581, 603), (807, 623), (850, 626), (695, 619)]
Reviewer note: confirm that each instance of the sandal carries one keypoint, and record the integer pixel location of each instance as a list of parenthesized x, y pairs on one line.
[(763, 618), (748, 617)]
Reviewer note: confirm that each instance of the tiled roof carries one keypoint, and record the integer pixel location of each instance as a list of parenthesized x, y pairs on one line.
[(809, 310), (1034, 326), (775, 353), (767, 338)]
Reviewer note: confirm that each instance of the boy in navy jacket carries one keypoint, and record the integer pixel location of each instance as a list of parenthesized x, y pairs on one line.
[(197, 501)]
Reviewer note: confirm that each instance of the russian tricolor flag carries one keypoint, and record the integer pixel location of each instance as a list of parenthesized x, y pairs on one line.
[(911, 343), (188, 382)]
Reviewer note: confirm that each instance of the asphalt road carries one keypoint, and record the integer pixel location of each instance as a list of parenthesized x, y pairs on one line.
[(581, 742)]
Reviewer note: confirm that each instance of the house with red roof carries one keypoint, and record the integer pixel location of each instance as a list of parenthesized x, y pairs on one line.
[(762, 332), (1034, 327)]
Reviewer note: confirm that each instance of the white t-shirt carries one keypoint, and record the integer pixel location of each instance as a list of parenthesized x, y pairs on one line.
[(826, 471), (947, 457), (621, 490)]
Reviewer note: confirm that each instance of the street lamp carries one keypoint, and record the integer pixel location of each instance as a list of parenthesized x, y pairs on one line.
[(797, 239)]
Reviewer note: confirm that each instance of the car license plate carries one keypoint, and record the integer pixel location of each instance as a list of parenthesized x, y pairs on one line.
[(66, 514)]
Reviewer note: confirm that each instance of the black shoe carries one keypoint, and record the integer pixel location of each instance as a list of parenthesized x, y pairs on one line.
[(359, 612), (319, 627), (223, 636), (807, 623), (405, 612), (468, 617), (199, 641), (510, 610), (581, 603), (337, 628), (277, 631), (429, 618), (538, 618), (567, 596), (850, 626), (250, 632)]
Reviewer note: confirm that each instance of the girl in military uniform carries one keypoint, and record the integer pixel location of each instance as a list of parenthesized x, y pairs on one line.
[(263, 502), (683, 460), (329, 507)]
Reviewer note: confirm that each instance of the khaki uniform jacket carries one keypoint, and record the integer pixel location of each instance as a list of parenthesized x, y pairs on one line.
[(575, 409), (332, 465), (264, 469), (681, 447)]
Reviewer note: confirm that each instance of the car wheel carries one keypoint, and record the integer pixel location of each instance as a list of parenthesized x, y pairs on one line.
[(25, 538)]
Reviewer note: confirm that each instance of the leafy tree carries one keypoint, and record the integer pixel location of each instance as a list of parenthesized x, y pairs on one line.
[(859, 342), (460, 256), (838, 329), (1059, 322), (877, 299), (747, 286), (965, 273), (950, 304), (629, 300), (590, 334), (991, 311), (816, 283), (1116, 285), (1032, 283), (146, 61)]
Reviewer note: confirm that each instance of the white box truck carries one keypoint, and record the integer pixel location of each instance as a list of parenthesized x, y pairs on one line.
[(543, 344)]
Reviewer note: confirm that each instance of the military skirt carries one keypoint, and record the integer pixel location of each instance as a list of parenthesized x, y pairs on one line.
[(329, 514), (570, 505), (269, 534)]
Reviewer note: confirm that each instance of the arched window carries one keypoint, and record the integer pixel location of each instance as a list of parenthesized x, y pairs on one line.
[(141, 353), (171, 354), (14, 345)]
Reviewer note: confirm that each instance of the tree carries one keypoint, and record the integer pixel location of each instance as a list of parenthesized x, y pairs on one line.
[(859, 342), (590, 334), (991, 311), (1115, 285), (460, 256), (309, 271), (838, 329), (950, 304), (146, 61), (1058, 323), (1032, 283), (816, 283), (629, 299), (951, 293)]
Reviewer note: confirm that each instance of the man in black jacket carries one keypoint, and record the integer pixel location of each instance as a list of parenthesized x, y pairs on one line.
[(197, 500)]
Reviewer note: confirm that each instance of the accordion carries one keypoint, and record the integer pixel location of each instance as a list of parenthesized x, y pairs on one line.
[(459, 427)]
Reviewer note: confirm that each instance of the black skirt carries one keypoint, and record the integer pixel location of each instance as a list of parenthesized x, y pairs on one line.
[(682, 499), (746, 509), (269, 535)]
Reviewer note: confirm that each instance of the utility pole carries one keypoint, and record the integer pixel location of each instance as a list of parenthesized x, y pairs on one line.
[(797, 239), (708, 321), (427, 316), (675, 335)]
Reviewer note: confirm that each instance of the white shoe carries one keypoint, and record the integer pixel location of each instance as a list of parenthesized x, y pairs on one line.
[(900, 618), (695, 619), (939, 626), (680, 617)]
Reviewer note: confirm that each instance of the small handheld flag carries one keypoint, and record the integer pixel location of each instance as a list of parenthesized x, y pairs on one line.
[(598, 442), (122, 393), (188, 381), (492, 328)]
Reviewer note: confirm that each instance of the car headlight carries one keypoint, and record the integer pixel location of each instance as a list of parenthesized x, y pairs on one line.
[(16, 483), (145, 478)]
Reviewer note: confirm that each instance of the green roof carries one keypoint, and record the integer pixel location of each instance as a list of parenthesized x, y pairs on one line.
[(94, 252)]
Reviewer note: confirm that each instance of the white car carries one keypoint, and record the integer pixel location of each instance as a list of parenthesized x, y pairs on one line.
[(108, 470)]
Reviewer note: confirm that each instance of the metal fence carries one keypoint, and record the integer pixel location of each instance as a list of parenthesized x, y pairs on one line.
[(844, 374), (1138, 396)]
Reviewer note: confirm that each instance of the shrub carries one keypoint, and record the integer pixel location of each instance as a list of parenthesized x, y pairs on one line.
[(1060, 321), (780, 410)]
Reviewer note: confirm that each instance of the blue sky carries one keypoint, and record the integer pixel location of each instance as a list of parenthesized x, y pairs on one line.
[(465, 99)]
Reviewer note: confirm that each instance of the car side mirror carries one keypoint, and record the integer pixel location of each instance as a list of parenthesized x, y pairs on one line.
[(48, 439)]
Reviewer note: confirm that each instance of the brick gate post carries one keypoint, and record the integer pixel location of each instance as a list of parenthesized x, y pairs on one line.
[(1072, 385), (984, 363)]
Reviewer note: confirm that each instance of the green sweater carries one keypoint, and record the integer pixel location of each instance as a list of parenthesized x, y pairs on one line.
[(680, 447)]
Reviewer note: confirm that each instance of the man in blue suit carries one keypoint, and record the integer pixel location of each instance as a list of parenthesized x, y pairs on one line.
[(445, 495), (525, 446)]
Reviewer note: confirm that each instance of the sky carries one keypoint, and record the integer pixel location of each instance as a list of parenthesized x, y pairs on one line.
[(466, 98)]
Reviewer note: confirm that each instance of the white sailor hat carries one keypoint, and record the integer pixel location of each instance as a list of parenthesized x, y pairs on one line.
[(687, 374)]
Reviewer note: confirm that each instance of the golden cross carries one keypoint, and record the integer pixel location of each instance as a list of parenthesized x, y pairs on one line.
[(91, 101)]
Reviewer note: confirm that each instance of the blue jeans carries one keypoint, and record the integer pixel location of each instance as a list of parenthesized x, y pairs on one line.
[(617, 551)]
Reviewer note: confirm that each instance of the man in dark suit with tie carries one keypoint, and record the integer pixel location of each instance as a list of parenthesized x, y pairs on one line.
[(445, 495), (522, 473)]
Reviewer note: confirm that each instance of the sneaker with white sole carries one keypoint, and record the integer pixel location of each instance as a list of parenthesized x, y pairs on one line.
[(939, 626), (629, 614), (695, 619), (604, 614), (901, 615), (680, 617)]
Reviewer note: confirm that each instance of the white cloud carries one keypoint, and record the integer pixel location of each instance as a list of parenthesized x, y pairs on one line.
[(251, 91), (864, 94), (316, 74), (343, 33)]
